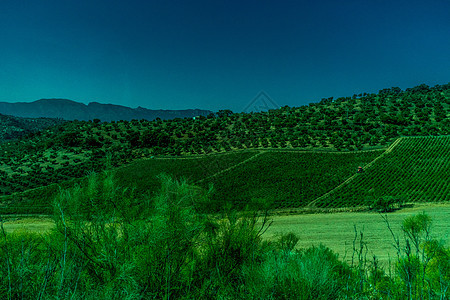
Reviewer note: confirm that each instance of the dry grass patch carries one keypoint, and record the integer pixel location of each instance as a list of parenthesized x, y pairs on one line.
[(32, 224)]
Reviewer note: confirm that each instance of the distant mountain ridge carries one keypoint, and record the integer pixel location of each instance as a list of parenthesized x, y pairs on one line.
[(72, 110)]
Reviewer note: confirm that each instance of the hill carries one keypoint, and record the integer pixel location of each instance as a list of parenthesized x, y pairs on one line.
[(279, 179), (361, 122), (346, 126), (71, 110), (414, 170), (12, 127)]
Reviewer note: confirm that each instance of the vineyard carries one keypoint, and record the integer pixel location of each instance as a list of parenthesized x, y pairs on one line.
[(286, 179), (143, 174), (416, 170), (413, 169), (278, 179)]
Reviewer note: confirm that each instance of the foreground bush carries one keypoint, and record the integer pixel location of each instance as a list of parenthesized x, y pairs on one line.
[(108, 245)]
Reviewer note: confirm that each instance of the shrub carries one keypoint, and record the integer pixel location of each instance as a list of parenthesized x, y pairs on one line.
[(314, 273), (109, 245), (385, 204)]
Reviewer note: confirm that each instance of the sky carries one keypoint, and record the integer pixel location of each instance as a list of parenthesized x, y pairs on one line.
[(215, 54)]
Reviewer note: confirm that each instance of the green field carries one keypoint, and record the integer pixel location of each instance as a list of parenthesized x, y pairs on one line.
[(287, 179), (280, 179), (143, 174), (336, 230), (415, 170), (410, 170)]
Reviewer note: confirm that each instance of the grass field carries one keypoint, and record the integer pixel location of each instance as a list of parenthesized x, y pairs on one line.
[(336, 230), (32, 224)]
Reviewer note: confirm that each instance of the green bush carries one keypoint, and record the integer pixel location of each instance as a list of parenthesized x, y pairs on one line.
[(314, 273), (109, 245), (385, 204)]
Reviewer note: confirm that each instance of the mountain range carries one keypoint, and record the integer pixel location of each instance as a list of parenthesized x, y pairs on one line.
[(72, 110)]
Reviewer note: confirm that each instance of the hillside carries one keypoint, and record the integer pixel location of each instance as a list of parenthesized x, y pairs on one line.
[(415, 170), (72, 110), (345, 127), (12, 127), (276, 179), (361, 122), (412, 169)]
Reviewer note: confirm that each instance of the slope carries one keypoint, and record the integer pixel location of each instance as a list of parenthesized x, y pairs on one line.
[(286, 179), (279, 179), (415, 170)]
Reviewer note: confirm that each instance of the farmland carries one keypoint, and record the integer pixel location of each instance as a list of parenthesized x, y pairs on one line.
[(274, 179), (287, 179), (412, 169), (415, 170), (143, 174), (335, 230), (175, 208), (347, 124)]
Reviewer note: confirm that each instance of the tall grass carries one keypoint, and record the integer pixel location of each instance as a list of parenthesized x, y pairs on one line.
[(109, 245)]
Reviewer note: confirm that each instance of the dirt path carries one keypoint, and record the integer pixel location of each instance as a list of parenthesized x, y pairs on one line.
[(337, 230)]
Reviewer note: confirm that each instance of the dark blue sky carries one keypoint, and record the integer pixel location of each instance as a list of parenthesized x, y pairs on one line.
[(218, 54)]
